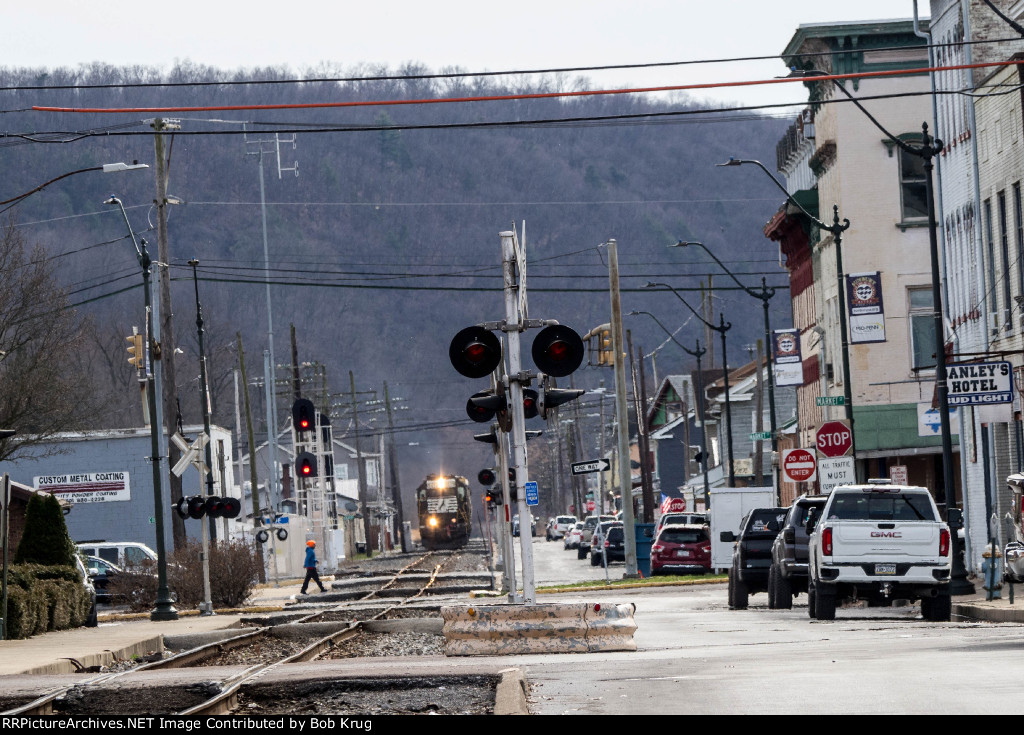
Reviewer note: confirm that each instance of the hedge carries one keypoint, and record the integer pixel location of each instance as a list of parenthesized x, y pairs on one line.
[(42, 598)]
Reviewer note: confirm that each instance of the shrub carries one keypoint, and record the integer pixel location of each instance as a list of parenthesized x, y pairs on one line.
[(21, 613), (45, 538), (43, 598), (234, 569)]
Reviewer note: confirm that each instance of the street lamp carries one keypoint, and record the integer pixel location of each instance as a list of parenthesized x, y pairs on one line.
[(765, 296), (722, 328), (698, 353), (107, 168), (164, 609)]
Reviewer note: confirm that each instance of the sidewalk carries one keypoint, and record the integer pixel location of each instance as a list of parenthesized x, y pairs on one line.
[(999, 610)]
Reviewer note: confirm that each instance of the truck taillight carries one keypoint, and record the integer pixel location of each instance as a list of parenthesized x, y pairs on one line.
[(607, 544), (705, 549), (657, 547), (944, 542), (826, 541)]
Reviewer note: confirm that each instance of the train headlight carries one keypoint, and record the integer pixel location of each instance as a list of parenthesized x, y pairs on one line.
[(432, 521)]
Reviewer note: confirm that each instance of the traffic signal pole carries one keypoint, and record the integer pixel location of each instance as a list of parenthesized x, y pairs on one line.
[(517, 437)]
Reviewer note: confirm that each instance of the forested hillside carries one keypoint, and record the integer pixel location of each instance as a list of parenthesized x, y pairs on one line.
[(386, 243)]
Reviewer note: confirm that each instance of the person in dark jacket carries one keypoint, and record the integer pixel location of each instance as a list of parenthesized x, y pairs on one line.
[(310, 565)]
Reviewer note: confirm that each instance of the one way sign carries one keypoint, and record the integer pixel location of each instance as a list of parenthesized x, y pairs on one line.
[(594, 465)]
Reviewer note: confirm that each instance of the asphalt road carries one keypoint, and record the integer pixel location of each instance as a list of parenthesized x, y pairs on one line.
[(697, 656)]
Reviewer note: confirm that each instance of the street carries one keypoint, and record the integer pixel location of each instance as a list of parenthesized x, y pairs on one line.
[(696, 656)]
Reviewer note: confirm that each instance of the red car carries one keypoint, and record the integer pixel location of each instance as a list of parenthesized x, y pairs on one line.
[(681, 549)]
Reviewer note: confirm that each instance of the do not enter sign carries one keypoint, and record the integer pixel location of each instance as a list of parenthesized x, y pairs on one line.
[(799, 465), (834, 439)]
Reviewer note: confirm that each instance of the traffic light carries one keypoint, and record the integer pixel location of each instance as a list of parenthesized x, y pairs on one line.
[(303, 415), (305, 464), (557, 350), (553, 397), (605, 353), (475, 352), (136, 353)]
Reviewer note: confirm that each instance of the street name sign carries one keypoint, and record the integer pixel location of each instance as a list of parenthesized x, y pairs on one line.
[(835, 471), (798, 465), (593, 465), (532, 496), (761, 436), (980, 383), (830, 401)]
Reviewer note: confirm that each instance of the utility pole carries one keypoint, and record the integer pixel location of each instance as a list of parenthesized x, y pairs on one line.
[(396, 487), (645, 459), (600, 475), (759, 414), (622, 411), (167, 342), (364, 493)]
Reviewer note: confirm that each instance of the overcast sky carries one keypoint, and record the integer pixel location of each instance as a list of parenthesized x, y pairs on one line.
[(475, 36)]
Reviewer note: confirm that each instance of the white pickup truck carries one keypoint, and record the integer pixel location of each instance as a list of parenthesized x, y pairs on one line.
[(878, 542)]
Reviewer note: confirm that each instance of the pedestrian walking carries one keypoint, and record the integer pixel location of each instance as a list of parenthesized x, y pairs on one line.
[(310, 565)]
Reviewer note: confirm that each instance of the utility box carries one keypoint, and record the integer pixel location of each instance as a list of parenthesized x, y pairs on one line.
[(728, 506)]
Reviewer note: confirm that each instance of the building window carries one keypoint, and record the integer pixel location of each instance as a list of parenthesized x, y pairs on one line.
[(922, 329), (1005, 319), (990, 255), (913, 186)]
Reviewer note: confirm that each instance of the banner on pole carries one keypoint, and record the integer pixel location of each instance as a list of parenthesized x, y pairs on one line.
[(788, 364), (864, 302)]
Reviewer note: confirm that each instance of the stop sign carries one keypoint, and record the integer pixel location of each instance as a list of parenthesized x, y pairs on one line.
[(798, 465), (834, 439), (591, 505), (673, 505)]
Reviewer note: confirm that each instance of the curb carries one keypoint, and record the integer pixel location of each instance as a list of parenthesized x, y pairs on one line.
[(510, 696), (988, 614), (648, 585)]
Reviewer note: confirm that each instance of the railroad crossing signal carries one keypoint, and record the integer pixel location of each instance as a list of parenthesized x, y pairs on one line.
[(305, 464), (554, 397), (557, 350), (190, 454), (475, 352)]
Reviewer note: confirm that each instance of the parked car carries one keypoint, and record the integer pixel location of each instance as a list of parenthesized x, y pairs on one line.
[(787, 576), (681, 549), (752, 554), (561, 525), (680, 519), (879, 542), (589, 525), (549, 530), (101, 572), (572, 539), (123, 554), (515, 525), (608, 544)]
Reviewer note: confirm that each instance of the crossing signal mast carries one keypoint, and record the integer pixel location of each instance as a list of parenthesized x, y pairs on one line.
[(476, 352)]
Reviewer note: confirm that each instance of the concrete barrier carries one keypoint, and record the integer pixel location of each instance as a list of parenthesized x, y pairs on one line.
[(504, 630)]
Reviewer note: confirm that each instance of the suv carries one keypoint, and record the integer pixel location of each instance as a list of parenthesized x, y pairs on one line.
[(121, 553), (681, 549), (601, 542), (680, 519), (562, 526), (589, 524), (787, 576), (879, 542), (572, 539), (752, 554)]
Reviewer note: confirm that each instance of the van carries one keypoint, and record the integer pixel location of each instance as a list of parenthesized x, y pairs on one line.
[(121, 553)]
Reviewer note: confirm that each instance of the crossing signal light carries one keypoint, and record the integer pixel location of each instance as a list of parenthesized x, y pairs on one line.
[(553, 397), (486, 477), (485, 405), (305, 464), (136, 355), (303, 415), (530, 399), (557, 350), (475, 352), (223, 507), (488, 438)]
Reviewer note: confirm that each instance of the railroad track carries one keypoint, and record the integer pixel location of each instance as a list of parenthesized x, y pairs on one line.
[(225, 699)]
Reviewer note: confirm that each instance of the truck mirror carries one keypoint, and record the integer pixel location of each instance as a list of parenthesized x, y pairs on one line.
[(955, 519), (727, 536)]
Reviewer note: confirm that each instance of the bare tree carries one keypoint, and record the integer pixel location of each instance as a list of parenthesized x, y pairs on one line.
[(43, 388)]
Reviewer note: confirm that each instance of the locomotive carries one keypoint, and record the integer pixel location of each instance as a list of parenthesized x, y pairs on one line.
[(445, 512)]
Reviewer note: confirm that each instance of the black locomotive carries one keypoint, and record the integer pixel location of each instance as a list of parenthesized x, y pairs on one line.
[(445, 512)]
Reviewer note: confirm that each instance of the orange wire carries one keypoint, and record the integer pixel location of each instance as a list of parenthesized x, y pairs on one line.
[(532, 96)]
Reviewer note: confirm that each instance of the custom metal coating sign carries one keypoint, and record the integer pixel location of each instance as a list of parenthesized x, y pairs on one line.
[(86, 487), (787, 361), (864, 302), (980, 383)]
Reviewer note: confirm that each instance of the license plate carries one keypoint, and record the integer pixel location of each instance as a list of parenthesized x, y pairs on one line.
[(885, 569), (682, 553)]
